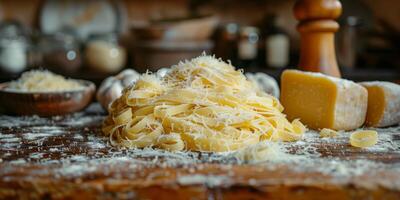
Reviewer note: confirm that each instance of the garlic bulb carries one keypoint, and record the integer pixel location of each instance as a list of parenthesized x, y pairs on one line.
[(162, 72), (264, 82), (111, 88)]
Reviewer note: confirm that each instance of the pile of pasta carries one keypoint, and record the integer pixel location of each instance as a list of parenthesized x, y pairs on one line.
[(199, 105)]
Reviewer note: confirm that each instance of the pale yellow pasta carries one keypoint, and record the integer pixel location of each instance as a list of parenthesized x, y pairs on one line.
[(172, 142), (364, 138), (201, 105)]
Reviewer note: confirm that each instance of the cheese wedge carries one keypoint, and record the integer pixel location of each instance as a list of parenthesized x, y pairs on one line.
[(383, 103), (321, 101)]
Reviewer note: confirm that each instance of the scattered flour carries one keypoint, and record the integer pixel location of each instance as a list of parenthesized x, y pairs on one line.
[(36, 155), (6, 136), (78, 137), (42, 132), (209, 180), (82, 152), (18, 161), (10, 140), (76, 170)]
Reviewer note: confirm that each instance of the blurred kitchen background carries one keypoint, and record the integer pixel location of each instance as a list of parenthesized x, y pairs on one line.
[(94, 39)]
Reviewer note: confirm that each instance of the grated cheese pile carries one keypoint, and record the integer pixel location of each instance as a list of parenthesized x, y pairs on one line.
[(200, 105), (43, 81)]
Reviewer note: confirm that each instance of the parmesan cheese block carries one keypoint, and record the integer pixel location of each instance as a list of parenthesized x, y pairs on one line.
[(321, 101), (383, 103)]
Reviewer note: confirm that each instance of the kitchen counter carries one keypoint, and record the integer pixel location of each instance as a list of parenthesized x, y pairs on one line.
[(66, 157)]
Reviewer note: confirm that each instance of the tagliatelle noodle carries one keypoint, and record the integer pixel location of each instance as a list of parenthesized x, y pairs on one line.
[(201, 105), (364, 138)]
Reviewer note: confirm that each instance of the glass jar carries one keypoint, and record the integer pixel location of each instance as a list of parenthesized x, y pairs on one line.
[(346, 42), (61, 52), (104, 54), (248, 43), (277, 43), (13, 48), (248, 47)]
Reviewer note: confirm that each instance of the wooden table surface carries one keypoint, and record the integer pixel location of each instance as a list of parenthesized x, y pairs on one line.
[(67, 158)]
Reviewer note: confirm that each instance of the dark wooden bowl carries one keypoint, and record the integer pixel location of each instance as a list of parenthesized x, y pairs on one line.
[(46, 103), (181, 29)]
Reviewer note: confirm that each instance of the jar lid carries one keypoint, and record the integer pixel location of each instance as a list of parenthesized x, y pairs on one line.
[(248, 30), (12, 30), (109, 37), (231, 28)]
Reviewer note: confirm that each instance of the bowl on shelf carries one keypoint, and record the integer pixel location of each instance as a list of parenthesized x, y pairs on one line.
[(45, 103), (179, 29), (154, 55)]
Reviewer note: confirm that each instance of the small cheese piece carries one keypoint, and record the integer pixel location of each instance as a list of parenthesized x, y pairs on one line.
[(383, 103), (326, 132), (321, 101)]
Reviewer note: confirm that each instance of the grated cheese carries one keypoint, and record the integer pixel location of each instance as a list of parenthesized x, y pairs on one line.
[(43, 81)]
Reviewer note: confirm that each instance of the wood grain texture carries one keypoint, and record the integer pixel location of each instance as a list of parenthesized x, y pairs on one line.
[(66, 158)]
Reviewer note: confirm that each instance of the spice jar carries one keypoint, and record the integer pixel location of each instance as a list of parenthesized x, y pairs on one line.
[(104, 54), (277, 43), (13, 48), (347, 39), (61, 52), (248, 47)]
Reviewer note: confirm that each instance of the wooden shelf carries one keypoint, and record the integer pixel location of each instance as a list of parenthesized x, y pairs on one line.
[(354, 74)]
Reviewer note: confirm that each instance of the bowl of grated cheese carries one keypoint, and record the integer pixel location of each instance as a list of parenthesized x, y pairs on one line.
[(43, 93)]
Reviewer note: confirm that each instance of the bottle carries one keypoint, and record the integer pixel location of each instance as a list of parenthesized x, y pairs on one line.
[(277, 44), (104, 54), (347, 43), (248, 47), (61, 52), (13, 48), (226, 44)]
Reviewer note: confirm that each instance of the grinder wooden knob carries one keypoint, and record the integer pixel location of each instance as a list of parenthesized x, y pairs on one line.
[(317, 27)]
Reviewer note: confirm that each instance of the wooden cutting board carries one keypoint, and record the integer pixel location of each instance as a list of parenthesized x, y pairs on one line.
[(67, 158)]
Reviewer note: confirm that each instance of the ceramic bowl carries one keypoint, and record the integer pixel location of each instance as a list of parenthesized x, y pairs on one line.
[(45, 103)]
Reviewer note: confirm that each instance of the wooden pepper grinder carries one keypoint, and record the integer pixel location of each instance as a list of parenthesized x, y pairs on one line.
[(317, 28)]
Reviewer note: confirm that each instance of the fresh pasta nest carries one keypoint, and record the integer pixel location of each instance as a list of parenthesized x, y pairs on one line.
[(200, 105)]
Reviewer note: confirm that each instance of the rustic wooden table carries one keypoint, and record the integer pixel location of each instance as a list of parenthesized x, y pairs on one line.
[(67, 158)]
